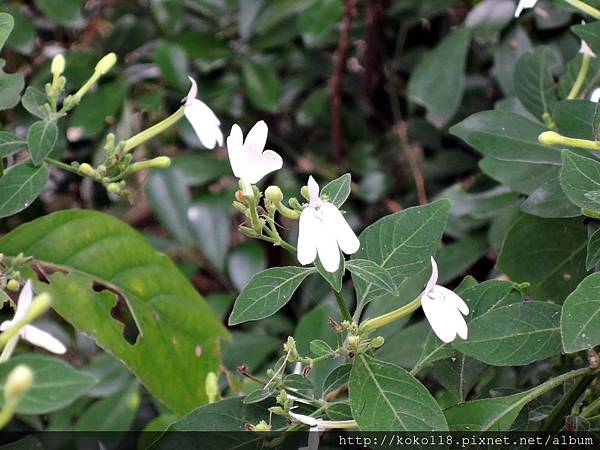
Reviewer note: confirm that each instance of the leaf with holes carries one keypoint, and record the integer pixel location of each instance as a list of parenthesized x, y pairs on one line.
[(385, 397), (109, 283)]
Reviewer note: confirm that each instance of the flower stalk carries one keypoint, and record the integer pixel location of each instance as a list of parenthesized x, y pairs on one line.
[(583, 70), (585, 8), (392, 316), (154, 130), (553, 138)]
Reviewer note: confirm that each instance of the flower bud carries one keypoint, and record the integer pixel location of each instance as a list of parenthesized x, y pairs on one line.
[(86, 169), (277, 410), (353, 342), (550, 138), (160, 162), (261, 426), (106, 63), (18, 382), (294, 203), (281, 397), (113, 188), (12, 285), (304, 192), (377, 342), (58, 65), (274, 194), (211, 385)]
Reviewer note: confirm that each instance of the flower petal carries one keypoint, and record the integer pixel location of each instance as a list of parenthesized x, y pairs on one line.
[(192, 93), (42, 339), (6, 325), (454, 299), (345, 237), (257, 167), (307, 420), (313, 192), (256, 138), (307, 236), (25, 299), (433, 278), (524, 4), (313, 439), (595, 96), (327, 246), (440, 315), (235, 142), (205, 123), (461, 326)]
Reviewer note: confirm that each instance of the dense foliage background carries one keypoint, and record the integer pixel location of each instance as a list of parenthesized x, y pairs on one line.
[(373, 88)]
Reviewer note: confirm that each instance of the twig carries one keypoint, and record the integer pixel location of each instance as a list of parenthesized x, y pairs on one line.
[(409, 152), (335, 83)]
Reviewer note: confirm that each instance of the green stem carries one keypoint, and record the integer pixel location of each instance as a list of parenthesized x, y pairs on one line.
[(339, 297), (63, 166), (583, 70), (7, 413), (9, 349), (584, 7), (154, 130), (287, 212), (556, 418), (592, 408), (385, 319), (40, 305)]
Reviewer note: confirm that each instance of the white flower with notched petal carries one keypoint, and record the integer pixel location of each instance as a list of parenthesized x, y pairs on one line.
[(249, 160), (524, 4), (203, 119), (32, 333), (324, 231), (444, 309)]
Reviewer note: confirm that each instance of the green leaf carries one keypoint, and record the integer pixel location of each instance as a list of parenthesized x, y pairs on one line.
[(320, 348), (548, 253), (11, 86), (580, 319), (333, 278), (385, 397), (455, 258), (578, 177), (22, 37), (209, 222), (337, 191), (513, 45), (33, 100), (402, 243), (267, 292), (262, 85), (298, 382), (10, 144), (574, 118), (590, 33), (458, 375), (438, 81), (55, 383), (200, 167), (514, 335), (113, 413), (130, 299), (533, 81), (593, 248), (20, 186), (373, 273), (337, 378), (41, 138), (245, 261), (317, 20), (112, 376), (550, 201), (6, 26), (64, 12), (172, 60)]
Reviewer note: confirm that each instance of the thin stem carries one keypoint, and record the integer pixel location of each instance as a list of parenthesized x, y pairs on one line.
[(583, 70), (556, 418), (584, 7), (592, 408), (9, 349), (7, 413), (63, 166), (341, 301), (378, 322), (154, 130)]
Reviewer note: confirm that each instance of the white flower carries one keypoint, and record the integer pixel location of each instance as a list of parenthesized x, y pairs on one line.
[(524, 4), (586, 50), (595, 95), (32, 333), (313, 435), (444, 309), (323, 231), (203, 120), (249, 160)]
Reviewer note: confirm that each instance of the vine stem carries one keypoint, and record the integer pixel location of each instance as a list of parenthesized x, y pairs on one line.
[(584, 7), (583, 70)]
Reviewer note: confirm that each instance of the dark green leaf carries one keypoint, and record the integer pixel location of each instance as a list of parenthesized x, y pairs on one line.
[(593, 248), (372, 273), (550, 201), (33, 100), (513, 45), (41, 138), (579, 177), (318, 19), (455, 258), (262, 85), (337, 378), (173, 63), (574, 118), (11, 86), (533, 81), (20, 186), (333, 278), (113, 413), (245, 261), (6, 26), (267, 292), (209, 222), (320, 348), (64, 12), (580, 319), (338, 190), (590, 33), (10, 144)]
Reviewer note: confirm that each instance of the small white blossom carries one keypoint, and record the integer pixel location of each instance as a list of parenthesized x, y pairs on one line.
[(29, 332), (586, 50), (444, 309), (524, 4), (323, 231), (202, 118), (595, 95), (249, 160)]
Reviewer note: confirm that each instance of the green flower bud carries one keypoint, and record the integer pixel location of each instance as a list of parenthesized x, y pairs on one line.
[(86, 169), (377, 342), (58, 65), (294, 203), (261, 426), (281, 397), (113, 188), (353, 342), (211, 385), (12, 285), (106, 63), (550, 138), (304, 192), (277, 410), (274, 194), (161, 162), (18, 382)]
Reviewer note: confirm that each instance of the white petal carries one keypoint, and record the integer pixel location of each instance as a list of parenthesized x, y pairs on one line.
[(307, 236), (313, 192), (297, 366), (524, 4), (235, 142), (345, 237), (440, 316), (595, 95), (25, 298), (6, 325), (454, 299), (586, 50), (313, 439), (307, 420), (192, 93), (256, 138), (42, 339), (205, 123), (461, 326), (327, 246), (257, 167), (433, 278)]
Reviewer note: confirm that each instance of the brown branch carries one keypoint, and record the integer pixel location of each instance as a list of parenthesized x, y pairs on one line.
[(409, 152), (335, 82)]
